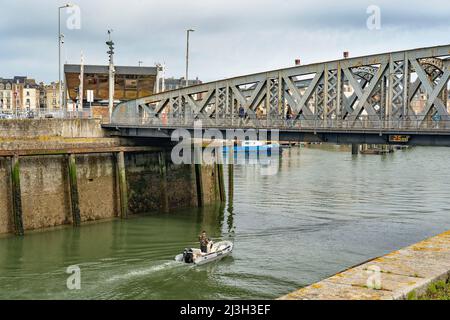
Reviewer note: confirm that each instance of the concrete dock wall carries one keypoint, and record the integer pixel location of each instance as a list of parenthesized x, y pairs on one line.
[(44, 128), (45, 194), (97, 187), (394, 276), (144, 181), (54, 191), (146, 192)]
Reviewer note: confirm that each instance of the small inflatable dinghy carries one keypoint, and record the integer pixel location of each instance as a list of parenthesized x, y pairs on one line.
[(216, 251)]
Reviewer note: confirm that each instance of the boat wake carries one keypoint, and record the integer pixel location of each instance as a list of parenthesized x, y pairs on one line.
[(144, 271)]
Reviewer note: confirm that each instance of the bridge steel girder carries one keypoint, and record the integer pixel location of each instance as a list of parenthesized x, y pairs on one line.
[(326, 135), (380, 91)]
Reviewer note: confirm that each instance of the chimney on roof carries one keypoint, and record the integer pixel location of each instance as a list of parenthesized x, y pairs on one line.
[(346, 54), (297, 62)]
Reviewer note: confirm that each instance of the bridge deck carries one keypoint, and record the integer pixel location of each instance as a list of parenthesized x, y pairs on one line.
[(336, 135)]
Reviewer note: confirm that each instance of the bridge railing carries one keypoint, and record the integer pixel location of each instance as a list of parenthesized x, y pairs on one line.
[(169, 120)]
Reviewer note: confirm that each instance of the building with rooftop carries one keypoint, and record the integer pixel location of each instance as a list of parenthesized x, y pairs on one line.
[(130, 82), (18, 95)]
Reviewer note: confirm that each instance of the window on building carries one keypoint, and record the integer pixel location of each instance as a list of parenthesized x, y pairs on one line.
[(130, 83)]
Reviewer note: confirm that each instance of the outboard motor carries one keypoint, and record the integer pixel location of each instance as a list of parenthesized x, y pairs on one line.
[(188, 256)]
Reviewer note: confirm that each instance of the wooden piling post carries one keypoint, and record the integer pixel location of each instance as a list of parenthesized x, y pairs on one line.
[(230, 177), (218, 173), (163, 182), (230, 182), (221, 182), (355, 149), (123, 188), (74, 197), (198, 178), (216, 183), (16, 196)]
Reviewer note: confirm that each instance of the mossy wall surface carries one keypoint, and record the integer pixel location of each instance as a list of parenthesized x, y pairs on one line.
[(45, 188)]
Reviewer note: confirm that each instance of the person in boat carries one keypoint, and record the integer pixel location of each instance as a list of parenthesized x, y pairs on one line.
[(289, 117), (203, 242), (241, 115)]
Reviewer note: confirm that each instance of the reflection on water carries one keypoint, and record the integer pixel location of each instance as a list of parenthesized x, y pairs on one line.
[(323, 211)]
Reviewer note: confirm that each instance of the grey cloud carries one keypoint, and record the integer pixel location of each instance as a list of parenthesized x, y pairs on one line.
[(232, 37)]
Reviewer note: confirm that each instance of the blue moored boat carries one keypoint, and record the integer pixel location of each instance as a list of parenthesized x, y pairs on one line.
[(251, 146)]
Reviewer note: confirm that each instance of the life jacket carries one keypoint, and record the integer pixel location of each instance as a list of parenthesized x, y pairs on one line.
[(203, 241)]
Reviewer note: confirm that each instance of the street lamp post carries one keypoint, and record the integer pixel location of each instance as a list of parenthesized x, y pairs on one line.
[(112, 71), (187, 55), (60, 37)]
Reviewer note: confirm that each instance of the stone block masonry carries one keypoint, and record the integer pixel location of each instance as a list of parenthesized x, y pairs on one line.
[(395, 276)]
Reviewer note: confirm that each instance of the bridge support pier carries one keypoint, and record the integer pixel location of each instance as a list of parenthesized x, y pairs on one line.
[(16, 196), (355, 149), (73, 187)]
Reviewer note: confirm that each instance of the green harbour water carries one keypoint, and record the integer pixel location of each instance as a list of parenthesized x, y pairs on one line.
[(323, 211)]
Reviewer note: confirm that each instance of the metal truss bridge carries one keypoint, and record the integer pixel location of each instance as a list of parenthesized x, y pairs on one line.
[(383, 98)]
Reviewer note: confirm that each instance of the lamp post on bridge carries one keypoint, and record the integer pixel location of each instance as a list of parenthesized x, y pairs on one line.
[(187, 55)]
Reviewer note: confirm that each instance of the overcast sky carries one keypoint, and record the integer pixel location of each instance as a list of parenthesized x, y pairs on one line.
[(232, 37)]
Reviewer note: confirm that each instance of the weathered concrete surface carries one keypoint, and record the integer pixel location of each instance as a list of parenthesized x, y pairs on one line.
[(181, 178), (210, 187), (44, 187), (42, 147), (58, 143), (401, 272), (142, 175), (46, 128), (97, 188), (144, 183), (50, 134)]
